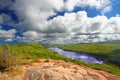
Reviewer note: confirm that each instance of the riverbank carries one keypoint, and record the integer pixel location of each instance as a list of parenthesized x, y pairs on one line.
[(109, 53)]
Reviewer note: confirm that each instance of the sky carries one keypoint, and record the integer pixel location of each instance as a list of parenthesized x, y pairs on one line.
[(59, 21)]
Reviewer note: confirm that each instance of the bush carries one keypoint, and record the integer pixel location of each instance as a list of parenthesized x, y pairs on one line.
[(6, 59)]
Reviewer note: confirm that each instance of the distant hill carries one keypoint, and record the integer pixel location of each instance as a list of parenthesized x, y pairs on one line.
[(11, 43), (111, 42)]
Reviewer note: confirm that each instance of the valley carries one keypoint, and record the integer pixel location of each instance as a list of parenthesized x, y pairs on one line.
[(21, 57)]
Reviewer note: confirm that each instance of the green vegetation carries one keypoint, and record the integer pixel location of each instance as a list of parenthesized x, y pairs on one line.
[(111, 42), (6, 59), (28, 53), (92, 48), (109, 53), (114, 57)]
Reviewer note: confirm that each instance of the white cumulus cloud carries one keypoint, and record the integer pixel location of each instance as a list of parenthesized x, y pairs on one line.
[(7, 35), (98, 4), (106, 9), (72, 27)]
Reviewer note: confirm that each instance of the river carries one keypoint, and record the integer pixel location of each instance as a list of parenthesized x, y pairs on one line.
[(78, 56)]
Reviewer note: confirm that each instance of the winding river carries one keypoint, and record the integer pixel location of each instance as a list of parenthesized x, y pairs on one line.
[(78, 56)]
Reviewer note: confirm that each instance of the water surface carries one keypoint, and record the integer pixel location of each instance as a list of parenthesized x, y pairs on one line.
[(78, 56)]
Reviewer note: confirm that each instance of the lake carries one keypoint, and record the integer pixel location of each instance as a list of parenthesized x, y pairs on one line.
[(77, 55)]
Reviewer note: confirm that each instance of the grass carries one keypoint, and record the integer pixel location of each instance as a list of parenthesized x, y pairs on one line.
[(109, 53), (28, 53), (92, 48)]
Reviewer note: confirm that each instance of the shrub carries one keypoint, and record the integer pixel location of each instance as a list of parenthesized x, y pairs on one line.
[(6, 59)]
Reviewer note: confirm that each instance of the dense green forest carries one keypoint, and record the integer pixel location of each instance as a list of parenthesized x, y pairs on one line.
[(109, 53), (15, 55)]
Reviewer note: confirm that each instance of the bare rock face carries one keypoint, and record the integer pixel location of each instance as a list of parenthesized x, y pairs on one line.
[(60, 70), (3, 77)]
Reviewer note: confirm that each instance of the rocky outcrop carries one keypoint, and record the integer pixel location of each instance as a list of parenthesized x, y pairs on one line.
[(60, 70), (3, 77), (56, 70)]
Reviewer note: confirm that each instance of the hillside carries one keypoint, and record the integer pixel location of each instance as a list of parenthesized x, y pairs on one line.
[(91, 48), (110, 42), (109, 53), (28, 54)]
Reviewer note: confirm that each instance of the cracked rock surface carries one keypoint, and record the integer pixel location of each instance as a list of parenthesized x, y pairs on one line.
[(60, 70)]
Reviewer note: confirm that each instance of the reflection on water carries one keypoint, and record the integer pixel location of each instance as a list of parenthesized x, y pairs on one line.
[(78, 56)]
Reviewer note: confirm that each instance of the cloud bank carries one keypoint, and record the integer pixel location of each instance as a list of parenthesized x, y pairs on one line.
[(72, 27), (7, 35)]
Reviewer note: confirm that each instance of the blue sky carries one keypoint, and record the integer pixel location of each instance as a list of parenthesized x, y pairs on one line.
[(59, 21), (115, 9)]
